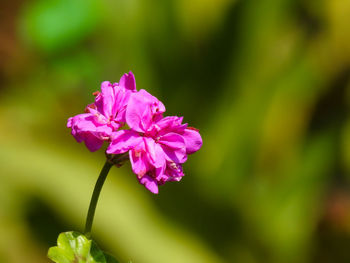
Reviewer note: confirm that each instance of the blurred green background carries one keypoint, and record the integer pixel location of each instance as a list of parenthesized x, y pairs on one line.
[(266, 82)]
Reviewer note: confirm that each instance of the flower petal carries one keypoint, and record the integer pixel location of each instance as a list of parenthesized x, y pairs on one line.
[(104, 101), (155, 152), (172, 140), (139, 162), (124, 140), (170, 124), (92, 142), (175, 155), (193, 140), (174, 147), (85, 128), (138, 115), (128, 81), (83, 122), (141, 110), (149, 183)]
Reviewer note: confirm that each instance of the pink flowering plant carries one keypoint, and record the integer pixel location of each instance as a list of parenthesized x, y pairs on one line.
[(133, 124)]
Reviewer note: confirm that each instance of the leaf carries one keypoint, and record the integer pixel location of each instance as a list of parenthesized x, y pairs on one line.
[(73, 247)]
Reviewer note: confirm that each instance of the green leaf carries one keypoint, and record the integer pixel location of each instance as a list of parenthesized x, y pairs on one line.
[(73, 247)]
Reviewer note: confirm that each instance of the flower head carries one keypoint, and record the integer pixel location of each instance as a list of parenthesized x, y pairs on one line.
[(157, 145), (105, 115)]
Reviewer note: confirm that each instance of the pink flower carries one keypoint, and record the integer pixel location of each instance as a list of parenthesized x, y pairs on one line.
[(105, 115), (157, 146)]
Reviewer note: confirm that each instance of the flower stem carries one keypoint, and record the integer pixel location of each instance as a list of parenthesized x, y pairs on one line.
[(95, 195)]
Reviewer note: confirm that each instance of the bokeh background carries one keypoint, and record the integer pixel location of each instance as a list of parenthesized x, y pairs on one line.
[(266, 82)]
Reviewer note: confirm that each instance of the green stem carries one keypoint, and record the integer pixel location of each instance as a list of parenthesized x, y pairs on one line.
[(97, 190)]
